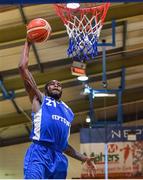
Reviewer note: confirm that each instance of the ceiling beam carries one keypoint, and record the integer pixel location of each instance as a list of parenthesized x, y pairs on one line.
[(19, 31), (14, 119), (54, 35), (78, 106), (123, 11), (61, 73), (59, 63), (74, 129), (72, 83), (129, 95), (13, 141)]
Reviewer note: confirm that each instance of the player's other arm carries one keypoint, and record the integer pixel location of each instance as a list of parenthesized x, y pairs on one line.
[(88, 162), (91, 168), (27, 77), (70, 151)]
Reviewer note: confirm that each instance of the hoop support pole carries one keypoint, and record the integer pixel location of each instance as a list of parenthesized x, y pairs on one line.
[(119, 92), (6, 95), (113, 43), (91, 108), (104, 77), (9, 95), (106, 158)]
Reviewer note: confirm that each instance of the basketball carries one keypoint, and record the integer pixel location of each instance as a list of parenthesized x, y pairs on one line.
[(38, 30)]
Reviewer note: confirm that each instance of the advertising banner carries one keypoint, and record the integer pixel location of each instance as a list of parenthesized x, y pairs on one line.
[(125, 158)]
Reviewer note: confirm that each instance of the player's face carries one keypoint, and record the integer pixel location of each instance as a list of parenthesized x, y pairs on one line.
[(54, 89)]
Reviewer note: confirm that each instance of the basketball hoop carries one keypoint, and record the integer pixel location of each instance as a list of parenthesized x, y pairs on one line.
[(83, 25)]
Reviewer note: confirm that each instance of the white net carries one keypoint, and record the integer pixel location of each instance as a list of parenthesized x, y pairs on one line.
[(86, 27), (83, 34), (83, 26)]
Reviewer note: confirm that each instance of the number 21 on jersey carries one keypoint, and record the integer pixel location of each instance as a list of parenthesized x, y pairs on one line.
[(50, 102)]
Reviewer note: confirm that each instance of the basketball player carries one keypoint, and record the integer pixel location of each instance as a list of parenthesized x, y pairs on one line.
[(51, 121)]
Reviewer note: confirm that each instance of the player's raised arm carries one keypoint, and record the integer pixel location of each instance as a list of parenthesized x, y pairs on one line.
[(27, 77)]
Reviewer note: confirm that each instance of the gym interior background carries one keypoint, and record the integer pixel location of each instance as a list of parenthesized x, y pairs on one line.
[(49, 61)]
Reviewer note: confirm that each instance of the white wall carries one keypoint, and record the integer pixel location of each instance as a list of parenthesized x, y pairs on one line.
[(74, 165), (11, 160)]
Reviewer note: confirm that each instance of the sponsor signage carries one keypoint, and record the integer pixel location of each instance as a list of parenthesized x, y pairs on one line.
[(125, 157), (110, 134)]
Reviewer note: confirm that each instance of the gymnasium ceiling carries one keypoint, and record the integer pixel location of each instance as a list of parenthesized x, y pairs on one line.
[(49, 61)]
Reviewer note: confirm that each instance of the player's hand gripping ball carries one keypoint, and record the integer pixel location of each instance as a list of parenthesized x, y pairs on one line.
[(38, 30)]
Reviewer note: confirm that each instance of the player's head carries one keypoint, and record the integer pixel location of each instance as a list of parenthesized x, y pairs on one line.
[(53, 89)]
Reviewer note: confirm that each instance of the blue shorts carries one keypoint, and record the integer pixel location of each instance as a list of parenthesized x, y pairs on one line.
[(43, 162)]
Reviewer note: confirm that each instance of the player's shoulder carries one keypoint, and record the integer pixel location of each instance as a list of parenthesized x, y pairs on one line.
[(65, 105), (68, 108), (39, 97)]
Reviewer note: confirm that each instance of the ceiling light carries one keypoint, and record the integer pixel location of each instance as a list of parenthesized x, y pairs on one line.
[(88, 120), (103, 95), (73, 5), (98, 93), (82, 78)]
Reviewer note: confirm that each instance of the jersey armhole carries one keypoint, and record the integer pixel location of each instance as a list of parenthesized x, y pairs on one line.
[(41, 105)]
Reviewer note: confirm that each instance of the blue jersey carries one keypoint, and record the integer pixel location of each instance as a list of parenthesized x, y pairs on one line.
[(51, 124)]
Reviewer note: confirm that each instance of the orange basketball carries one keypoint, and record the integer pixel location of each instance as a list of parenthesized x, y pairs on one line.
[(38, 30)]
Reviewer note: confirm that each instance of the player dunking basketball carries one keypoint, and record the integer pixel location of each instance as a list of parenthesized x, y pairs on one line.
[(51, 121)]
